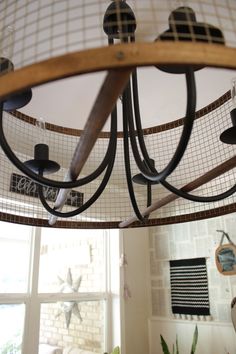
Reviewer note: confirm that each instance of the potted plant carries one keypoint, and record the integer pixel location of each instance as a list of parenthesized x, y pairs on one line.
[(175, 349), (116, 350)]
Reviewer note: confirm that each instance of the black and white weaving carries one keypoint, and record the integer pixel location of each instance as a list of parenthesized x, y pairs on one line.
[(189, 287)]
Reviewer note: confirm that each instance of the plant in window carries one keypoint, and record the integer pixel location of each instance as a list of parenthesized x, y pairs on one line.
[(13, 346), (175, 349), (116, 350)]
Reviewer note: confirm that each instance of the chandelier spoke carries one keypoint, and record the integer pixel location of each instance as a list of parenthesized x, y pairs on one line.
[(200, 181), (197, 198)]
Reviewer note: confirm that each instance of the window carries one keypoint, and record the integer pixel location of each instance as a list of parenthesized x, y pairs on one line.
[(55, 289), (11, 327)]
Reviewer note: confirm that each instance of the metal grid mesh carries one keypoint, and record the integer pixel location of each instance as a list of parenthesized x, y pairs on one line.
[(35, 30), (204, 152)]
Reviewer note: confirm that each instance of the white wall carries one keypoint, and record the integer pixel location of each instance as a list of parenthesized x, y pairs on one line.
[(189, 240), (213, 338), (136, 308)]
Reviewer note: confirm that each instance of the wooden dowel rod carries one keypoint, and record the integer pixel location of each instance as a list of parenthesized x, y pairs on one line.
[(112, 87), (198, 182)]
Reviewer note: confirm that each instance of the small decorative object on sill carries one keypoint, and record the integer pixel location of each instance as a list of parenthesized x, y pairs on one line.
[(189, 287), (225, 256)]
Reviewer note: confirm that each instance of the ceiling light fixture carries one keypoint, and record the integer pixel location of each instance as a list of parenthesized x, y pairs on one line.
[(119, 24)]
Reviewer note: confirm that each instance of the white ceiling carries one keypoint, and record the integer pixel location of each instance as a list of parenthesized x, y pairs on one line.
[(68, 102), (162, 96)]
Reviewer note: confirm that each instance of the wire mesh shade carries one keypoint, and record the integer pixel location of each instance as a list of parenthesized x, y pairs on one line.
[(32, 31), (203, 153), (48, 30)]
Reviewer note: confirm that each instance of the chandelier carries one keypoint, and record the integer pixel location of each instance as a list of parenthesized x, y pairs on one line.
[(119, 25)]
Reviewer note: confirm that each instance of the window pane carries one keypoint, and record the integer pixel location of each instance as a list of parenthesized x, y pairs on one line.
[(14, 257), (77, 325), (72, 261), (11, 328)]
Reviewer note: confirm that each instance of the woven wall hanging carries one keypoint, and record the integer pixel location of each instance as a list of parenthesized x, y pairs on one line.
[(189, 287)]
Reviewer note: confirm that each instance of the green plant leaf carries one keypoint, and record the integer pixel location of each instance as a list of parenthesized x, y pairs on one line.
[(116, 350), (177, 346), (165, 348), (195, 338)]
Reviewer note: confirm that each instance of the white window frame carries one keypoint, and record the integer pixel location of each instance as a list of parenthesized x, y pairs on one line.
[(33, 300)]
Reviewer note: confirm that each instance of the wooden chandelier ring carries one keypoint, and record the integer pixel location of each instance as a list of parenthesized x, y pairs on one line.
[(116, 57)]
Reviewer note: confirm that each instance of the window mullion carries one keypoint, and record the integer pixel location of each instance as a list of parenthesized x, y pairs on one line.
[(54, 297), (32, 314), (13, 298), (107, 309)]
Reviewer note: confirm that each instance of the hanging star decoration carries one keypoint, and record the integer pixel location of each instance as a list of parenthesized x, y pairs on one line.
[(69, 307)]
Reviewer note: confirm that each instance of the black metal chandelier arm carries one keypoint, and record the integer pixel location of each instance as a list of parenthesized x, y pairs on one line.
[(196, 198), (125, 109), (110, 40), (90, 201), (184, 139), (171, 188), (138, 120), (52, 183), (126, 149)]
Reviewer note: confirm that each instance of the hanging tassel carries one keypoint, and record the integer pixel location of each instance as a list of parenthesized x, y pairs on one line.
[(123, 260), (127, 292)]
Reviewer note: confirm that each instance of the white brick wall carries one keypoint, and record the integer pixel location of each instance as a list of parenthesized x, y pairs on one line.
[(187, 240)]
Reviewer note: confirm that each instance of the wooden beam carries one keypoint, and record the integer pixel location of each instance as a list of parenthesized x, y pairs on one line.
[(200, 181), (112, 87)]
